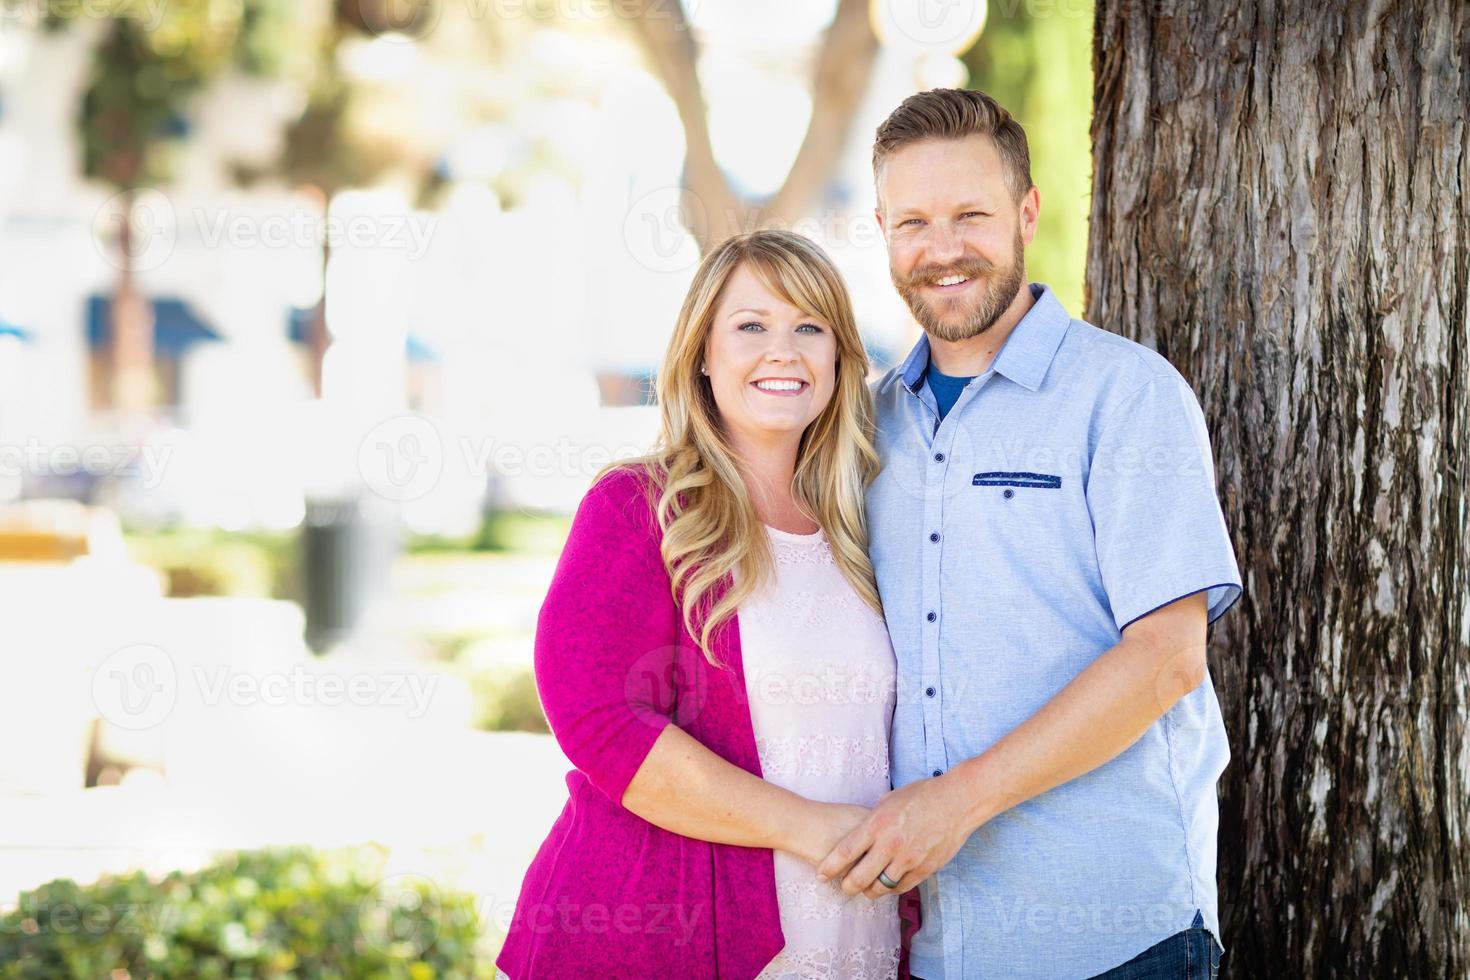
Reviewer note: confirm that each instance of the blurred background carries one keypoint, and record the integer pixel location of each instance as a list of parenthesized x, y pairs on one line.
[(316, 319)]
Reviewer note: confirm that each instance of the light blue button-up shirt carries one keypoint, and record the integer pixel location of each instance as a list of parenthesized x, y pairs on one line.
[(1069, 492)]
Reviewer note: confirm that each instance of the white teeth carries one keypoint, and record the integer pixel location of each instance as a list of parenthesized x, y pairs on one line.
[(951, 280), (778, 385)]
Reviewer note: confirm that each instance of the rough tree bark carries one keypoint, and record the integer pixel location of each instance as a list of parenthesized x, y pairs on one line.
[(840, 77), (1279, 208)]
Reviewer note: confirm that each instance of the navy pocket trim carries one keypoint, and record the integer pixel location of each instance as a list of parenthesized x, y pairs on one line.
[(1043, 481)]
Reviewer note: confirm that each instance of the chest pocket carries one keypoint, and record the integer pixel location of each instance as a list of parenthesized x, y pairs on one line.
[(1040, 481)]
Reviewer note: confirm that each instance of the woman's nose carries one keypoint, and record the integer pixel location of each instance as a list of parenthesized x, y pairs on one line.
[(781, 349)]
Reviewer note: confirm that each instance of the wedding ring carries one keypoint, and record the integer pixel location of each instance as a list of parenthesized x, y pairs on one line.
[(887, 881)]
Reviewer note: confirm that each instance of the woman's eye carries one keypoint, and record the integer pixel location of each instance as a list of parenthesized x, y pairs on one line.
[(752, 324), (814, 328)]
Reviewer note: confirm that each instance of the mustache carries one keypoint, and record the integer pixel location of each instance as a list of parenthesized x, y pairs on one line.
[(969, 268)]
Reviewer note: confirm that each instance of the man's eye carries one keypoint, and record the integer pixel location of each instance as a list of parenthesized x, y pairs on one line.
[(911, 221), (973, 214)]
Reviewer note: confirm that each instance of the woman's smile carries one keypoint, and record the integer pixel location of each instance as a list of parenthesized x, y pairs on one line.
[(781, 387)]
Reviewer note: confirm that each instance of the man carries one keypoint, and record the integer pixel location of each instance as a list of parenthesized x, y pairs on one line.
[(1050, 550)]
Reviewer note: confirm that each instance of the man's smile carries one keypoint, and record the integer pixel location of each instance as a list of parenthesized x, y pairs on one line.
[(951, 285)]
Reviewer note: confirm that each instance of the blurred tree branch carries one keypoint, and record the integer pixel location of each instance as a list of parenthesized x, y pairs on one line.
[(843, 64)]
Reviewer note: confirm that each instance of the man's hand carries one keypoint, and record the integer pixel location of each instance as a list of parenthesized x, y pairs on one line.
[(911, 833), (915, 831)]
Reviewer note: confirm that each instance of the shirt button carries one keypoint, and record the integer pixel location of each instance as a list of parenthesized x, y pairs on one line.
[(938, 771), (934, 536), (929, 692), (931, 617), (1009, 493), (939, 457)]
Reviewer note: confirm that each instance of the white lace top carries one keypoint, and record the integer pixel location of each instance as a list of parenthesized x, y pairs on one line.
[(820, 675)]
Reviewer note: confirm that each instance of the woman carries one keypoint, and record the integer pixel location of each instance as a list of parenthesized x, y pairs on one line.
[(712, 656)]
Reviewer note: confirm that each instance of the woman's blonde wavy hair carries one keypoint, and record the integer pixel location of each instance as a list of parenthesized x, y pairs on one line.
[(710, 526)]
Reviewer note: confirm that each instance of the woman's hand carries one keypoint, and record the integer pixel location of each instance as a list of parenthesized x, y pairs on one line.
[(821, 826)]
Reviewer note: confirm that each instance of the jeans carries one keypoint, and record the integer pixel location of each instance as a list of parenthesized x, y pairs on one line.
[(1189, 955)]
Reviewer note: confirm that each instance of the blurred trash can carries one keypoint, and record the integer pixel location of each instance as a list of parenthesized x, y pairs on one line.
[(346, 550)]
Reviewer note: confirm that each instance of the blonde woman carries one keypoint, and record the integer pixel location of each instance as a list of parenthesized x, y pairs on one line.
[(712, 656)]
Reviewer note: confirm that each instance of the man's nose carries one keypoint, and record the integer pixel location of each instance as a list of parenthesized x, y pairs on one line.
[(945, 243)]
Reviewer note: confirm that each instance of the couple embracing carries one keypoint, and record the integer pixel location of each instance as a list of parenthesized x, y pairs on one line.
[(902, 679)]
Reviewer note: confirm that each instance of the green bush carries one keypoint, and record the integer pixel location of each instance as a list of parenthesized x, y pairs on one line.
[(280, 912), (503, 531), (206, 562), (506, 700)]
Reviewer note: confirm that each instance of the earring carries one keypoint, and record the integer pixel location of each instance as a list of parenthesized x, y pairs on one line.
[(704, 371)]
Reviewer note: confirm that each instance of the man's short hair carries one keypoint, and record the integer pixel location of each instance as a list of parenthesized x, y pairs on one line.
[(955, 113)]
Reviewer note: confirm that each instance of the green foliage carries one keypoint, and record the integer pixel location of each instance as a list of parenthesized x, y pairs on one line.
[(542, 534), (207, 562), (506, 700), (141, 75), (274, 42), (319, 148), (1036, 60), (281, 912), (147, 68), (504, 531), (503, 687)]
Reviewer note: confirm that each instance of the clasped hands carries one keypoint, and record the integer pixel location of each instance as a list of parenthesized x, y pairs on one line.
[(910, 833)]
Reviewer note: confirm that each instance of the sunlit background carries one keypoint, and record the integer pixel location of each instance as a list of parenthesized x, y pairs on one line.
[(316, 320)]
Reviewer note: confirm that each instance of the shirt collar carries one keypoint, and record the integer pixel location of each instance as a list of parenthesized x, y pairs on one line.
[(1028, 351)]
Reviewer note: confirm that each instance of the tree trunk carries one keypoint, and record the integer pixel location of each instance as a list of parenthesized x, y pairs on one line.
[(131, 386), (843, 65), (1278, 207), (318, 338)]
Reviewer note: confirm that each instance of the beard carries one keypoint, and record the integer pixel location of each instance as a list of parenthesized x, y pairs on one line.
[(960, 319)]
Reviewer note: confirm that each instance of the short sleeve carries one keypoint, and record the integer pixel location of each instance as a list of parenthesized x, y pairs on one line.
[(605, 637), (1156, 518)]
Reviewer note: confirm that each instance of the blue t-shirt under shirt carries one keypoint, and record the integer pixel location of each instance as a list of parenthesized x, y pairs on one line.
[(946, 389)]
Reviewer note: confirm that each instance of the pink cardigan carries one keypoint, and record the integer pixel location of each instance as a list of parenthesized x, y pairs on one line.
[(609, 894)]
